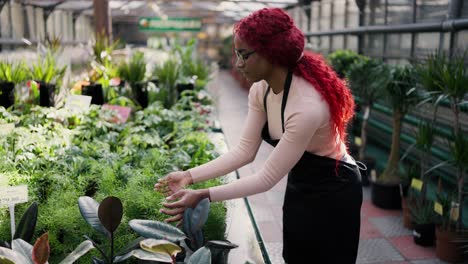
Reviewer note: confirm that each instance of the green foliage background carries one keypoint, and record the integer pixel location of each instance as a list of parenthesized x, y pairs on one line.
[(62, 155)]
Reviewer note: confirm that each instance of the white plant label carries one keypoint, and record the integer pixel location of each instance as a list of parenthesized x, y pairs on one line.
[(6, 129), (78, 102), (11, 196)]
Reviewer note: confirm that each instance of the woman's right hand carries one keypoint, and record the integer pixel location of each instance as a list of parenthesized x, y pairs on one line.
[(173, 182)]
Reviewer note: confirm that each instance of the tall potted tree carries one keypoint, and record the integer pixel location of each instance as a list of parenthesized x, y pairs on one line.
[(401, 94), (450, 77), (366, 78)]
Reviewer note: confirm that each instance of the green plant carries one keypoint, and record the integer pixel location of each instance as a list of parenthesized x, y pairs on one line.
[(450, 77), (422, 211), (158, 241), (168, 75), (23, 252), (134, 71), (13, 72), (46, 70), (402, 96), (341, 61), (367, 77)]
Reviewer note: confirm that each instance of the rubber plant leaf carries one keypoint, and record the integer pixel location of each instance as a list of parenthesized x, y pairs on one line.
[(160, 246), (41, 249), (89, 210), (202, 255), (27, 224), (157, 230), (110, 213), (24, 249), (8, 256), (79, 251), (145, 255)]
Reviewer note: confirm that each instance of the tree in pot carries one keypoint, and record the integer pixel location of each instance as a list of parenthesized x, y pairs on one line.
[(48, 75), (451, 77), (11, 74), (366, 78), (401, 94), (341, 61)]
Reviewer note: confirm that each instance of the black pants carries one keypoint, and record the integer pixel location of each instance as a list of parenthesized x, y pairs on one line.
[(321, 212)]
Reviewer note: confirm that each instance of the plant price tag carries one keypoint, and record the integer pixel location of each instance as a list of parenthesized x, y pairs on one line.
[(357, 141), (416, 184), (13, 195), (438, 208), (455, 211), (78, 102), (123, 112), (6, 129)]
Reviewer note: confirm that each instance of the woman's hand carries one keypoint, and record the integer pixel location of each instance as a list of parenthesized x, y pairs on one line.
[(184, 199), (173, 182)]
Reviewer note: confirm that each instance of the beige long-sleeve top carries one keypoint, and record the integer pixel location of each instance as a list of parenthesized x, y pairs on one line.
[(307, 128)]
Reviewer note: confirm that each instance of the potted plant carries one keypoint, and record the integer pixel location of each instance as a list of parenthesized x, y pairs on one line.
[(422, 213), (366, 78), (103, 71), (401, 95), (168, 74), (450, 76), (341, 61), (11, 74), (133, 73), (407, 194), (48, 75)]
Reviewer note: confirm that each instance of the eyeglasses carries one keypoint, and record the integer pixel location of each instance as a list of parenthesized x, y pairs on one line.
[(243, 57)]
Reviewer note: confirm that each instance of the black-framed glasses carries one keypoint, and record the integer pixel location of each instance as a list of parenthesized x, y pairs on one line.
[(242, 57)]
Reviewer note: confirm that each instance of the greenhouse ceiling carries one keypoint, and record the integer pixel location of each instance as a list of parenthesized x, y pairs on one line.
[(129, 10)]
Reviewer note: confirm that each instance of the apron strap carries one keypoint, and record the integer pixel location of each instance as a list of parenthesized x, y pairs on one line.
[(287, 85), (265, 99)]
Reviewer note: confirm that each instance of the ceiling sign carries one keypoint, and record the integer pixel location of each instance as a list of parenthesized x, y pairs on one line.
[(169, 24)]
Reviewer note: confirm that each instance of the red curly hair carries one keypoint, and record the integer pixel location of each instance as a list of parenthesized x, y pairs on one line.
[(271, 32)]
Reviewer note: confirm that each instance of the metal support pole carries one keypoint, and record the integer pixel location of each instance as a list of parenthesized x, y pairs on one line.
[(362, 16), (330, 40), (384, 48), (346, 22), (26, 22), (454, 12), (413, 35)]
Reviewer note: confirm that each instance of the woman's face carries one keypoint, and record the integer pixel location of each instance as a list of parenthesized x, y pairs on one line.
[(249, 62)]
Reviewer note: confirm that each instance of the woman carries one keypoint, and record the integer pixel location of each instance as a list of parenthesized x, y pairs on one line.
[(300, 106)]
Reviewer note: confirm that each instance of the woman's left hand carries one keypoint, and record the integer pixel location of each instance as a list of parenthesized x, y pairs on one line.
[(186, 199)]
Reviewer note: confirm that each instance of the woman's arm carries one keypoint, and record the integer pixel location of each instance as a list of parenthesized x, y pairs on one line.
[(299, 130), (247, 147)]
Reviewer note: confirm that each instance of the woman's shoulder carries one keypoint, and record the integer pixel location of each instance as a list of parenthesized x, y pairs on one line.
[(258, 87), (305, 90), (256, 93)]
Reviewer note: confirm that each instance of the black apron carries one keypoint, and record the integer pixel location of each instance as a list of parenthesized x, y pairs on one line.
[(322, 204)]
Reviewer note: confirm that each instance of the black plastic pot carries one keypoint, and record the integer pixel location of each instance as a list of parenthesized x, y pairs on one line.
[(184, 86), (141, 94), (424, 234), (386, 195), (95, 91), (7, 94), (46, 94)]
